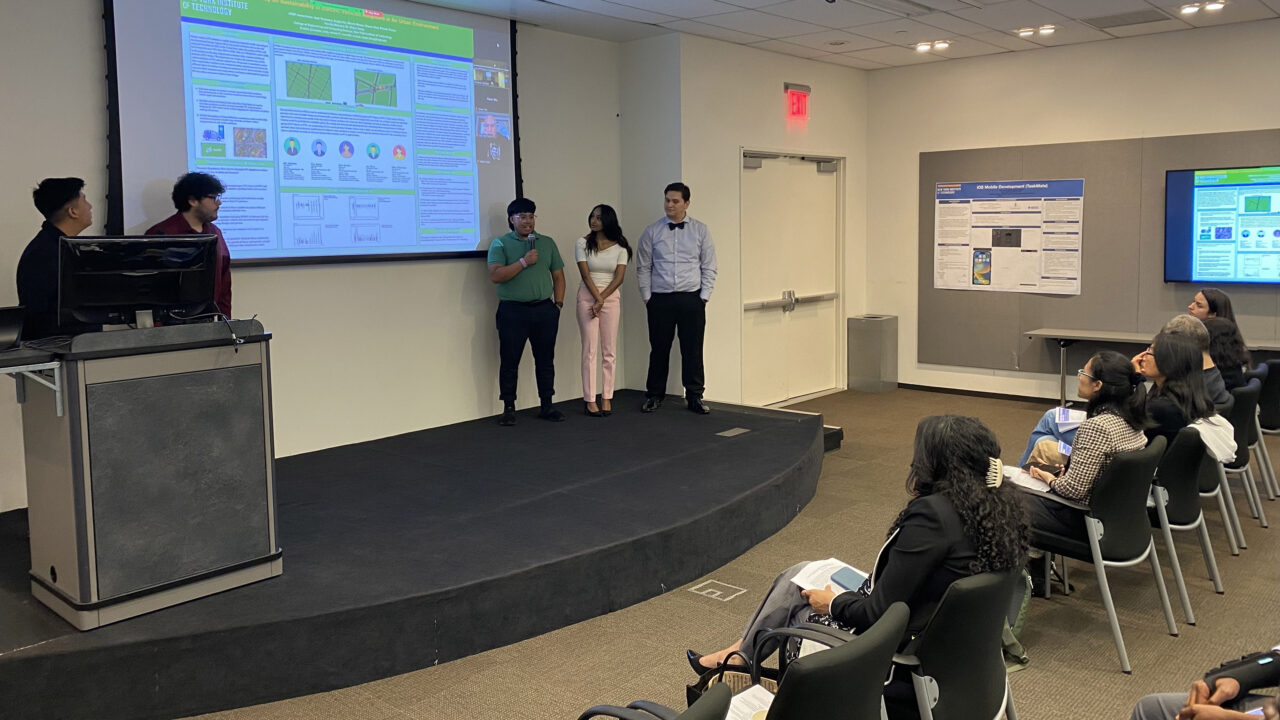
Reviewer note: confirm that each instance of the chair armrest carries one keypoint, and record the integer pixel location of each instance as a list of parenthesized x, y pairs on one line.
[(910, 660), (659, 711), (818, 633), (621, 713)]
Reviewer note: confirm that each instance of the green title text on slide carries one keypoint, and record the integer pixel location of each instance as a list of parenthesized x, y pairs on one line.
[(311, 17), (1238, 176)]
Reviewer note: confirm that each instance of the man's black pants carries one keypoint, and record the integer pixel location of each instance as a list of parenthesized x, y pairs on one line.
[(669, 313), (536, 322)]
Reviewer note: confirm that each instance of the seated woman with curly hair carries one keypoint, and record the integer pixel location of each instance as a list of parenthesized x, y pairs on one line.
[(960, 522)]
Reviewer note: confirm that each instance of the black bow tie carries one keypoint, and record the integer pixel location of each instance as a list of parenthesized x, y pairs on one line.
[(673, 226)]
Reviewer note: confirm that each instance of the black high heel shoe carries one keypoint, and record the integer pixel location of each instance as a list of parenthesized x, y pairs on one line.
[(586, 408), (695, 662), (603, 411)]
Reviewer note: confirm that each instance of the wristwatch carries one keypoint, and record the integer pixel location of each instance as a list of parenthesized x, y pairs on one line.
[(560, 304)]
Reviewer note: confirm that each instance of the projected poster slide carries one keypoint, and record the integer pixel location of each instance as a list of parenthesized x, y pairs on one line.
[(337, 131), (1008, 236), (1236, 225)]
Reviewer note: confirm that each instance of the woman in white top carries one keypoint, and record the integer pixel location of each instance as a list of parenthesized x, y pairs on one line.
[(602, 261)]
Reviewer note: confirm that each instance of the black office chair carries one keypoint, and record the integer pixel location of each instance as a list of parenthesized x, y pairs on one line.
[(713, 705), (956, 663), (1176, 506), (1269, 400), (1257, 443), (1243, 419), (1118, 530), (845, 681)]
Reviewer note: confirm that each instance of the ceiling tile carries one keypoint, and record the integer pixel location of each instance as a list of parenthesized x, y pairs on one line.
[(949, 5), (903, 32), (1147, 28), (968, 47), (951, 23), (1011, 15), (822, 40), (680, 8), (893, 55), (838, 15), (1093, 8), (787, 48), (753, 4), (1273, 4), (758, 23), (852, 62), (604, 7), (693, 27), (1069, 33), (1235, 11), (1006, 40)]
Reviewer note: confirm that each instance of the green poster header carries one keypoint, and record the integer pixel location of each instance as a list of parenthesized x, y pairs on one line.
[(1238, 176), (315, 18)]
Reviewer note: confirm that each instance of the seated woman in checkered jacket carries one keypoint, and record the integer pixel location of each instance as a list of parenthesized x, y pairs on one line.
[(1115, 415)]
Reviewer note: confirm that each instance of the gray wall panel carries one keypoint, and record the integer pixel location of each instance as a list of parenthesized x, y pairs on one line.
[(1122, 281)]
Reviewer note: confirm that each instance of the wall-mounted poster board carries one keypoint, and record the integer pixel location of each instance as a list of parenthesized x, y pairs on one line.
[(1019, 236)]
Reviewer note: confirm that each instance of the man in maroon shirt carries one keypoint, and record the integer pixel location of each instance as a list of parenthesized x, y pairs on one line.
[(197, 196)]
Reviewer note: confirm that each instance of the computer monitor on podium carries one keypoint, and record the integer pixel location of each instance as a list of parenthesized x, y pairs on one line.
[(136, 279)]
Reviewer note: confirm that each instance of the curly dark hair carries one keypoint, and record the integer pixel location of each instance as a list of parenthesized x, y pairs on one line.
[(952, 456), (1226, 347)]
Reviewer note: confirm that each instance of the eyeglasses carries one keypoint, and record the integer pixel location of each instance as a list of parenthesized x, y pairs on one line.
[(217, 197), (524, 216), (1151, 350), (1082, 373)]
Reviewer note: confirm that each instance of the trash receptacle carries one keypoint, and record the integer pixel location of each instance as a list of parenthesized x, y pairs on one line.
[(873, 352)]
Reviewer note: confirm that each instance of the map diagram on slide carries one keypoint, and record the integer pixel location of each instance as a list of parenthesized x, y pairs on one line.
[(249, 142), (375, 88), (308, 81)]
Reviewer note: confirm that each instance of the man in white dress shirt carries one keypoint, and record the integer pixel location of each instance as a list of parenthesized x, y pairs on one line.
[(676, 271)]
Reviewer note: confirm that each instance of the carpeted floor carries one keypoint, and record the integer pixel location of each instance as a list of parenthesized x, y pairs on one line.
[(638, 652)]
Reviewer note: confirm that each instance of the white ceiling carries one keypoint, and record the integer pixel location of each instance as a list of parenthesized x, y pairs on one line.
[(867, 34)]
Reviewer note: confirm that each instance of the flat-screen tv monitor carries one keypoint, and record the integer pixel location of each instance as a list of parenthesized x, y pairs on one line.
[(1222, 225), (109, 280)]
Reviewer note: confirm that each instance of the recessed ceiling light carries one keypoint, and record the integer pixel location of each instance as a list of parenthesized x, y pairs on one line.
[(1214, 5), (1047, 29), (1190, 9), (923, 47), (1026, 32), (837, 43), (941, 45)]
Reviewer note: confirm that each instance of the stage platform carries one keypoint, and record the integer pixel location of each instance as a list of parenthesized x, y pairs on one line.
[(422, 548)]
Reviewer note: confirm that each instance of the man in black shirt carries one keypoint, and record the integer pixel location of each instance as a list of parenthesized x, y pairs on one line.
[(66, 211)]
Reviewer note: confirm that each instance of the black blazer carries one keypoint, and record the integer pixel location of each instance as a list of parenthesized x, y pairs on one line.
[(927, 553)]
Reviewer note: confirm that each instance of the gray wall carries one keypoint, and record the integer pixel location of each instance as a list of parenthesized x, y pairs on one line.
[(1122, 283)]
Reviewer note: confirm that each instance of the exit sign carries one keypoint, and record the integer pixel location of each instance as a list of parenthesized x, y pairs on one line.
[(797, 101)]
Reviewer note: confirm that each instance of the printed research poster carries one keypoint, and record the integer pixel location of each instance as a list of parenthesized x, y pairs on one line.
[(1008, 236)]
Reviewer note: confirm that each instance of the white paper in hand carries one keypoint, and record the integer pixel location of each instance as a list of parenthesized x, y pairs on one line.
[(817, 575), (1022, 478), (750, 704), (1068, 419)]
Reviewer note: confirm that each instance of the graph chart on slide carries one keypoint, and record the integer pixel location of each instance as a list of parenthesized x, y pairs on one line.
[(364, 208), (308, 81), (375, 88), (307, 207)]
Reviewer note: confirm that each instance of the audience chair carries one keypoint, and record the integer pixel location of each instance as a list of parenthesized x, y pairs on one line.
[(1269, 400), (1118, 530), (1213, 484), (1176, 506), (956, 663), (846, 681), (1258, 445), (713, 705), (1242, 418)]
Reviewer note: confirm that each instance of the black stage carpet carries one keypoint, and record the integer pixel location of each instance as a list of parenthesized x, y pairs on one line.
[(421, 548)]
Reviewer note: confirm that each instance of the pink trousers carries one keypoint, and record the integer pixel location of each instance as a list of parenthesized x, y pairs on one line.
[(602, 330)]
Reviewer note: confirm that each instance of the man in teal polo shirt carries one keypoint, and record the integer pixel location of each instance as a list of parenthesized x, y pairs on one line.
[(529, 274)]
